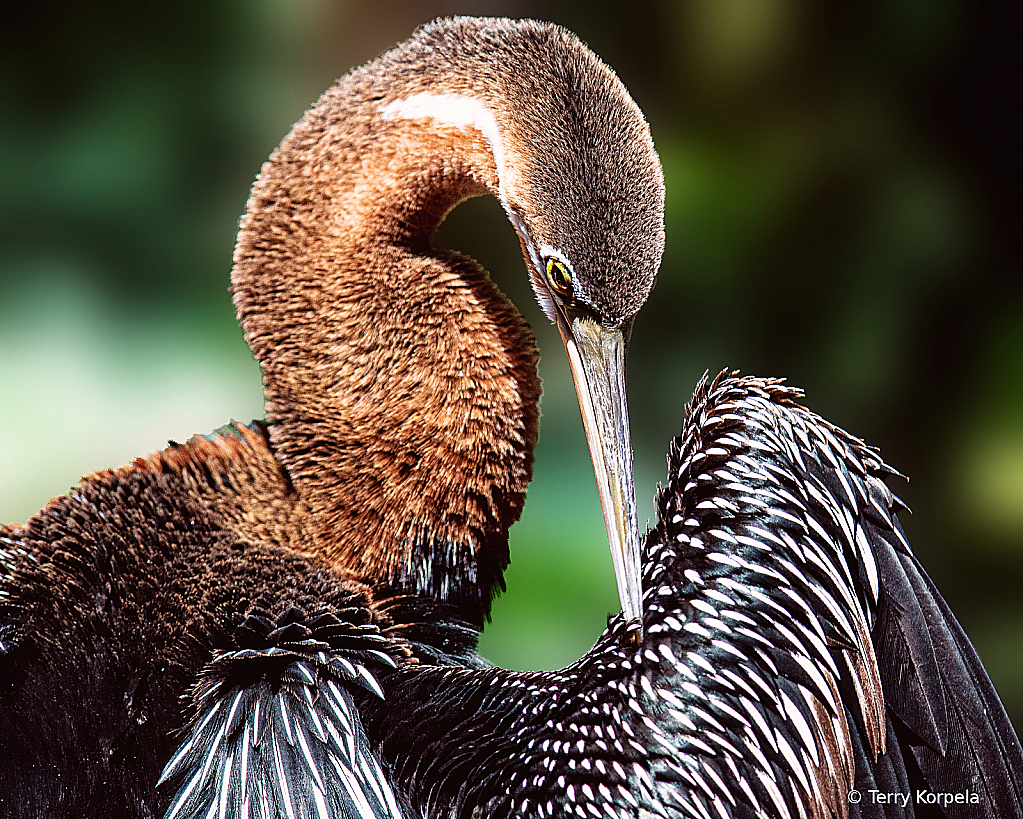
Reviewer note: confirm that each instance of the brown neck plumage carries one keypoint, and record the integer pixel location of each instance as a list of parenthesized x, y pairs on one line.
[(400, 384)]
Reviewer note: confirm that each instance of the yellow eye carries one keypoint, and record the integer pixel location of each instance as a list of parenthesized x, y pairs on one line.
[(558, 278)]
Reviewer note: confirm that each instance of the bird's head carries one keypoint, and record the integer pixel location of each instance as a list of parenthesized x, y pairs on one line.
[(583, 187)]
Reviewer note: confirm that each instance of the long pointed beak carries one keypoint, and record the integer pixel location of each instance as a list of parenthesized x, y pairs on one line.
[(596, 356)]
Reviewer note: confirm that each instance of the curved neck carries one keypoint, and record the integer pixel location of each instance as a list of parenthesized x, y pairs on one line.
[(400, 384)]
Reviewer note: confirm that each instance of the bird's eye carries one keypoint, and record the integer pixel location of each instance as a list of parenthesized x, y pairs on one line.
[(559, 278)]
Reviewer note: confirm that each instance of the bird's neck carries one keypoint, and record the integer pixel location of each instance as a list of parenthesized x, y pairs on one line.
[(400, 384)]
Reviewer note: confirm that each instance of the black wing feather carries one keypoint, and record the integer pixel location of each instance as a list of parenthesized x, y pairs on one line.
[(277, 732)]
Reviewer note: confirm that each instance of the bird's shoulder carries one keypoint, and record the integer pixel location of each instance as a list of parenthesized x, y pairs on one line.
[(154, 537)]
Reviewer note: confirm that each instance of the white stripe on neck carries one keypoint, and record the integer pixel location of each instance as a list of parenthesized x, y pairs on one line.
[(459, 111)]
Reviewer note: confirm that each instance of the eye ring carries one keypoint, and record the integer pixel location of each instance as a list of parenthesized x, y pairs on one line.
[(559, 278)]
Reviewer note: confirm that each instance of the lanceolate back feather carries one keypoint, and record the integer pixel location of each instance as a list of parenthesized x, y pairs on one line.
[(795, 651)]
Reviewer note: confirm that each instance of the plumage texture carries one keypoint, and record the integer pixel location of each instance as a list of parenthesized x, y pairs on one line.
[(156, 618), (277, 731), (794, 650)]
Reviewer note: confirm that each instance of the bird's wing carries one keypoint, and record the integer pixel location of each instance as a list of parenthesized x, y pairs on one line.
[(948, 732), (276, 731), (808, 541)]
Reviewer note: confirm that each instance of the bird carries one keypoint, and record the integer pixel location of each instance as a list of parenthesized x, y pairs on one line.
[(198, 632), (797, 661), (780, 653)]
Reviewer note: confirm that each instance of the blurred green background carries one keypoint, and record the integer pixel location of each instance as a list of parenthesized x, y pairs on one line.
[(842, 211)]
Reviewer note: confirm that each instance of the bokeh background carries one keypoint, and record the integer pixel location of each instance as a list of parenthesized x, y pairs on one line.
[(843, 183)]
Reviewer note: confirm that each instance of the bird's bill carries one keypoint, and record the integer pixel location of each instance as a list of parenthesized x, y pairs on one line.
[(596, 355)]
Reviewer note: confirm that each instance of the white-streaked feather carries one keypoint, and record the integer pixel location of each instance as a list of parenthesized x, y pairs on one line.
[(292, 748)]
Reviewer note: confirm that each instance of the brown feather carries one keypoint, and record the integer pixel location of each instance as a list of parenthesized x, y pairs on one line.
[(400, 383)]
